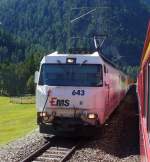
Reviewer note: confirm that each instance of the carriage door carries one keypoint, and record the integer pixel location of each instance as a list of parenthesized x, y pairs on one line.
[(106, 85)]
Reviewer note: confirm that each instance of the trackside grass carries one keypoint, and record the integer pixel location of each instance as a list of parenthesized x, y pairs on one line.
[(16, 120)]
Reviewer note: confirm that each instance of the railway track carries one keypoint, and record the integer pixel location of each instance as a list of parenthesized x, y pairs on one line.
[(55, 150)]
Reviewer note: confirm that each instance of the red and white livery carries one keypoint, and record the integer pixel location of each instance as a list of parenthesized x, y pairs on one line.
[(143, 89), (77, 92)]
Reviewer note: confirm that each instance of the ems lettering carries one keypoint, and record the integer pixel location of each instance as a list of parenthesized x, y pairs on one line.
[(57, 102), (53, 101)]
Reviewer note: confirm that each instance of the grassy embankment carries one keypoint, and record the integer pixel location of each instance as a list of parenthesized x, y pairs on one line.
[(16, 120)]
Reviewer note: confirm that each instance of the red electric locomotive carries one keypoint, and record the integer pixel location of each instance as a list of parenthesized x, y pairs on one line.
[(143, 89)]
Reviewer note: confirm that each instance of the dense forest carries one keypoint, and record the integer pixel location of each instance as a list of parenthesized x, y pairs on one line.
[(16, 70), (147, 2), (29, 30)]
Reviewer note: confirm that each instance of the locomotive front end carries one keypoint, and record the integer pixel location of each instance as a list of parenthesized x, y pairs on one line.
[(67, 94)]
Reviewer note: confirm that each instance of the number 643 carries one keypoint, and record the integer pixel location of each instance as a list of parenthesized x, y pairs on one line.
[(78, 92)]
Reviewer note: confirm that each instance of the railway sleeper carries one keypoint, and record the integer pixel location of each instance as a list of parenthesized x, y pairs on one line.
[(48, 159), (53, 155)]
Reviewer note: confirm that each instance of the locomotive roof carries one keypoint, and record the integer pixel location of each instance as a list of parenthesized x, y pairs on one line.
[(93, 58)]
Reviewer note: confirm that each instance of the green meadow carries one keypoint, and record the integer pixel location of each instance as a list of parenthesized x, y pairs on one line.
[(16, 120)]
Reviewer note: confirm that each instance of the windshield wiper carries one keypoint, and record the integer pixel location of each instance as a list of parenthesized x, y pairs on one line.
[(85, 61)]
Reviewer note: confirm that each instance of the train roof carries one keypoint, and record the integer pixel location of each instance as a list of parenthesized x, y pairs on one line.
[(94, 55), (55, 57), (146, 50), (93, 58)]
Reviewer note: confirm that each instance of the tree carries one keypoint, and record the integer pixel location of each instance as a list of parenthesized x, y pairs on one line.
[(31, 85)]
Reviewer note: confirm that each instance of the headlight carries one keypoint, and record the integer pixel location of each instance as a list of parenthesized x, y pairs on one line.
[(92, 116), (43, 114), (47, 118), (71, 60)]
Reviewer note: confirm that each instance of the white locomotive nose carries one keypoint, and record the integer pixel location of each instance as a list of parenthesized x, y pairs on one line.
[(68, 97), (77, 91)]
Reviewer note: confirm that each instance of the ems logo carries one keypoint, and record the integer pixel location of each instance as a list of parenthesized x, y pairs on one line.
[(57, 102)]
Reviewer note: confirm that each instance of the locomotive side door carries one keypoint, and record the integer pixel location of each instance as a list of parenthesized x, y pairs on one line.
[(106, 86)]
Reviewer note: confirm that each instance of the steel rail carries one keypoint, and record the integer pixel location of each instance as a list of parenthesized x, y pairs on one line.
[(53, 150), (37, 153)]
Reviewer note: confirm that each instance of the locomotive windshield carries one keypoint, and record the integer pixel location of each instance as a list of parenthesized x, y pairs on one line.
[(88, 75)]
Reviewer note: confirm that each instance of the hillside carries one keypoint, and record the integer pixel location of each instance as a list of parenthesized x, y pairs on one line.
[(15, 69), (45, 24), (11, 48), (148, 2), (28, 30)]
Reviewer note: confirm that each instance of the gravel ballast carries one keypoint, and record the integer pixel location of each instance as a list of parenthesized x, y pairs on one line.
[(117, 141), (21, 148), (119, 137)]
